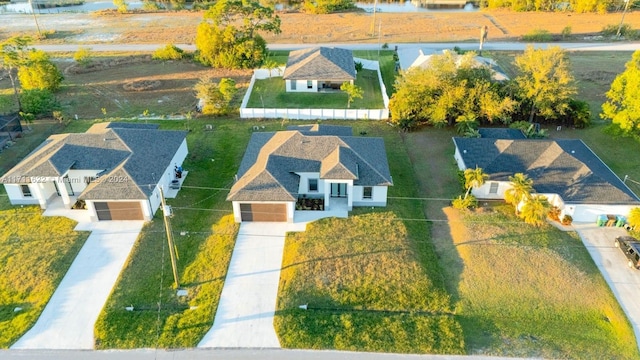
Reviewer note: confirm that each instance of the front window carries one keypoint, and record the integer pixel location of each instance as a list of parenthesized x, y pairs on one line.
[(367, 192), (309, 84), (313, 184), (293, 84), (26, 191), (493, 188)]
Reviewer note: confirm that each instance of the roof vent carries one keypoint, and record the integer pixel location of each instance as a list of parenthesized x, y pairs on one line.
[(464, 151), (573, 151)]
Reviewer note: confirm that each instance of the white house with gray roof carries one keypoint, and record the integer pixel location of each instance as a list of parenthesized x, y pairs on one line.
[(113, 170), (280, 169), (565, 170), (319, 69)]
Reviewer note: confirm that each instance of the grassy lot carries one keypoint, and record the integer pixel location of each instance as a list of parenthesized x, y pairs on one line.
[(35, 254), (205, 250), (376, 284), (271, 93), (518, 290)]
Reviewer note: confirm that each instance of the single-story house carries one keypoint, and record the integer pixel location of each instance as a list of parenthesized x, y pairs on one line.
[(319, 69), (321, 162), (419, 58), (565, 170), (113, 170)]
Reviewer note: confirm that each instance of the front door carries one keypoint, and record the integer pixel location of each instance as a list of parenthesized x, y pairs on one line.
[(338, 190)]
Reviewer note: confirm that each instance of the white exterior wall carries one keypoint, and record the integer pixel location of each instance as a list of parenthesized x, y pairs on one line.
[(327, 192), (483, 192), (15, 195), (238, 217), (378, 196), (303, 187), (590, 212), (301, 86), (47, 190), (77, 179)]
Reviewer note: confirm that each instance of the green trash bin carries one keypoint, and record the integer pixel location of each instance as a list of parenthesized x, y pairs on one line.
[(602, 220), (620, 221)]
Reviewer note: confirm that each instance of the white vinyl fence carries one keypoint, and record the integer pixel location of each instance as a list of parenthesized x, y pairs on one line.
[(315, 114)]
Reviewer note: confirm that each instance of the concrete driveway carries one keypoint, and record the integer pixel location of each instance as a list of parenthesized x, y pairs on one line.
[(68, 319), (623, 281)]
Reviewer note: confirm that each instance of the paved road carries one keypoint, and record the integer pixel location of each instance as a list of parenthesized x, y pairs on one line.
[(68, 319), (206, 354), (623, 281), (429, 46)]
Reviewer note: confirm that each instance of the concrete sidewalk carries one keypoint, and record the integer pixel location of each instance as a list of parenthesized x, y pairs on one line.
[(68, 319)]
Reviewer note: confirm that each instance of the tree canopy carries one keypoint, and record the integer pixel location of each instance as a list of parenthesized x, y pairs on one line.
[(452, 87), (39, 73), (545, 81), (216, 97), (623, 104), (228, 38)]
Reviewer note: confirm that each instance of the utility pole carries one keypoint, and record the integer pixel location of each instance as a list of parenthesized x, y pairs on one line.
[(373, 23), (626, 6), (33, 11), (379, 36), (167, 226)]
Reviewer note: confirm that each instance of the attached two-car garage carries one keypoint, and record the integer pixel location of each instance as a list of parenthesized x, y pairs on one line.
[(118, 210), (263, 212)]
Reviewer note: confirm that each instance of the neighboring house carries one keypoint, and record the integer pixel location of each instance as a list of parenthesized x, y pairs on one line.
[(309, 162), (114, 171), (319, 69), (565, 170), (418, 58)]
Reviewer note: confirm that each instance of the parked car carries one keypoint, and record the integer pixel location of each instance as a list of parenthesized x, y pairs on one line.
[(630, 247)]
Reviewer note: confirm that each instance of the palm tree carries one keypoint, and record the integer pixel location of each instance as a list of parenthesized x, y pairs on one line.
[(474, 178), (521, 189), (535, 210)]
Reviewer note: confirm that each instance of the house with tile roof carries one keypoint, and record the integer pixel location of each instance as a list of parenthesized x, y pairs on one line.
[(279, 169), (565, 170), (113, 170), (318, 69)]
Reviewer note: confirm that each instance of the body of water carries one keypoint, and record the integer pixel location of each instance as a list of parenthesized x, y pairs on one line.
[(89, 6)]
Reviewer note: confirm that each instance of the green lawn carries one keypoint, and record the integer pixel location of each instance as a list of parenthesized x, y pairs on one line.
[(35, 254), (372, 282), (270, 93)]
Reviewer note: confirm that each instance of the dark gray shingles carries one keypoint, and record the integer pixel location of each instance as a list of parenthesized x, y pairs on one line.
[(272, 159), (565, 167), (501, 133), (321, 63), (321, 129)]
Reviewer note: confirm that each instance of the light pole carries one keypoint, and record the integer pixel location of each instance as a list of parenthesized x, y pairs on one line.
[(626, 6), (33, 11)]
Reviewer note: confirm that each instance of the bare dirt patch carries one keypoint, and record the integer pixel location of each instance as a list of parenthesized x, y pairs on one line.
[(141, 85), (180, 27)]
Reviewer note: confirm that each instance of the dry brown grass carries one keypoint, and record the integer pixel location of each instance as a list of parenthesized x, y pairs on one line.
[(180, 27)]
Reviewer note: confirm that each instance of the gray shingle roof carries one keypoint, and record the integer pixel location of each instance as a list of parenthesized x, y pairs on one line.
[(321, 129), (139, 154), (566, 167), (320, 63), (270, 163)]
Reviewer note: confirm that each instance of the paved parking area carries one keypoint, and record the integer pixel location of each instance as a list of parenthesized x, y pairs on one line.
[(623, 281), (68, 319)]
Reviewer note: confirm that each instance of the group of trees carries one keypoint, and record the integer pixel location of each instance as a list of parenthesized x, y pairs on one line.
[(228, 37), (623, 104), (531, 207), (453, 89), (34, 78), (580, 6)]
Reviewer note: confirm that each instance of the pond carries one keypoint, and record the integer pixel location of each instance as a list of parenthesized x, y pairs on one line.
[(89, 6)]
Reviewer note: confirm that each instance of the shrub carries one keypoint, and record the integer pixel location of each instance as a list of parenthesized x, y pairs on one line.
[(538, 35), (83, 56), (121, 5), (327, 6), (567, 220), (38, 102), (626, 31), (566, 32), (554, 214), (359, 66), (169, 52), (151, 6), (634, 217), (462, 203), (579, 113)]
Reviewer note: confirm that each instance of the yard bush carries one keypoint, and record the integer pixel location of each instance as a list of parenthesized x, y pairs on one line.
[(83, 56), (462, 203), (38, 102), (169, 52), (626, 31)]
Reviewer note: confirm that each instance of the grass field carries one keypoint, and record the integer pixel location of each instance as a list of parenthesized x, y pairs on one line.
[(376, 283), (35, 253)]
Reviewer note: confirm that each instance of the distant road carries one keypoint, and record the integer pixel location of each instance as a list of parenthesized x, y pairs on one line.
[(434, 46)]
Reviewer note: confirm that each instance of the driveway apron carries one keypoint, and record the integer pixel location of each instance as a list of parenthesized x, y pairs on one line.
[(244, 318), (68, 319), (623, 281)]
